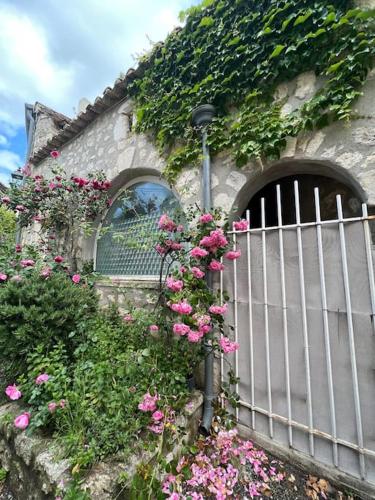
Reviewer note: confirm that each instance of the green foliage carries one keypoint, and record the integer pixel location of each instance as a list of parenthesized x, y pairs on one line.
[(3, 474), (7, 233), (229, 50), (38, 311), (117, 365)]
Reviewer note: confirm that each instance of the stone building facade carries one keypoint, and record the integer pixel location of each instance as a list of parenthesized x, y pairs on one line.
[(101, 137)]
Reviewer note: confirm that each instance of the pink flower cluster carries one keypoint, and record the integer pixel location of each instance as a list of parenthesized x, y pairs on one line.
[(215, 265), (42, 378), (206, 218), (166, 224), (148, 402), (197, 273), (182, 307), (174, 285), (52, 407), (198, 252), (218, 309), (27, 263), (215, 241), (225, 467), (228, 346), (241, 225), (13, 392)]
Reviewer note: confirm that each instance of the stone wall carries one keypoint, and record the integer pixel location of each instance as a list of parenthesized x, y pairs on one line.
[(345, 151)]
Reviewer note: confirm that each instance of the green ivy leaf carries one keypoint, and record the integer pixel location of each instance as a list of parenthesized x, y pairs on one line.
[(206, 22), (277, 51), (303, 18)]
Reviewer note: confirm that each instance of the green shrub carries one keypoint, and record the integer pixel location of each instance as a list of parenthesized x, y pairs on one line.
[(38, 311)]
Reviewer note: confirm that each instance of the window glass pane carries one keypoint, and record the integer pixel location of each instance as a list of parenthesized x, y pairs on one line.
[(126, 249)]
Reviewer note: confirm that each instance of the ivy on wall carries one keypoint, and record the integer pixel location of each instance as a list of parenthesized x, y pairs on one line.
[(233, 54)]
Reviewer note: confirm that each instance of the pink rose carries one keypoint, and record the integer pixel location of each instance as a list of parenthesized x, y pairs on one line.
[(154, 328), (206, 218), (43, 377), (166, 223), (233, 254), (241, 225), (5, 200), (197, 273), (148, 402), (182, 308), (55, 154), (58, 259), (27, 263), (215, 265), (181, 329), (13, 392), (194, 336), (198, 252), (156, 428), (214, 241), (160, 249), (22, 421), (128, 317), (157, 415), (3, 277), (175, 285), (228, 346), (183, 269), (218, 309), (18, 248), (20, 208), (76, 278), (46, 272), (52, 407)]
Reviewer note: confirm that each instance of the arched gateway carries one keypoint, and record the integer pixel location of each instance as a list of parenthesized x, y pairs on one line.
[(303, 312)]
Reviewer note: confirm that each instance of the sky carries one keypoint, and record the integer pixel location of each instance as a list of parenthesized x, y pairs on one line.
[(58, 52)]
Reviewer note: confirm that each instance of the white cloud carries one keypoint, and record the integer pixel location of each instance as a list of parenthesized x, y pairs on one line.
[(9, 160), (3, 140)]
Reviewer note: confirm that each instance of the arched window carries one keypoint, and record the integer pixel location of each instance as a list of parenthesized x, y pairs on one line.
[(126, 248)]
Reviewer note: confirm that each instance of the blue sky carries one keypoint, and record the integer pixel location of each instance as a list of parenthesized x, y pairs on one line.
[(58, 52)]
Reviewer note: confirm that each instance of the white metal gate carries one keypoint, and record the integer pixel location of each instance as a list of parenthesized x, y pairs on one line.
[(302, 306)]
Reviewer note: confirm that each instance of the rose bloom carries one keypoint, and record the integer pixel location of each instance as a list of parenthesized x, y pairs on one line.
[(46, 272), (52, 407), (22, 421), (197, 273), (182, 308), (55, 154), (58, 259), (215, 265), (13, 392), (18, 248), (206, 218), (241, 225), (181, 329), (20, 208), (194, 336), (157, 415), (5, 199), (128, 317), (156, 428), (76, 278), (233, 254), (228, 346), (198, 252), (175, 286), (148, 402), (3, 277), (154, 328), (27, 262), (43, 377), (166, 223), (160, 249), (218, 309)]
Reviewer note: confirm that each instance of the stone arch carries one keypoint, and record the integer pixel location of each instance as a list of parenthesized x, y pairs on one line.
[(291, 167)]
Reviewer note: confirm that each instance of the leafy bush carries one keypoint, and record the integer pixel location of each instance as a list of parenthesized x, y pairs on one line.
[(42, 311)]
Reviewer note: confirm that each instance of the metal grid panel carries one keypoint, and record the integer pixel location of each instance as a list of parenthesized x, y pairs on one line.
[(128, 248)]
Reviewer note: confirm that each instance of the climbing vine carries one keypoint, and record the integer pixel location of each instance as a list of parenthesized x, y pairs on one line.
[(233, 54)]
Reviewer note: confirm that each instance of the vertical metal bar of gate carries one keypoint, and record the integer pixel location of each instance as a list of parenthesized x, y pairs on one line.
[(327, 342), (304, 318), (235, 298), (285, 316), (251, 333), (353, 360), (266, 322), (370, 265)]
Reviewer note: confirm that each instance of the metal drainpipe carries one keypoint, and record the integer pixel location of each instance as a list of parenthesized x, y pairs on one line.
[(209, 356)]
